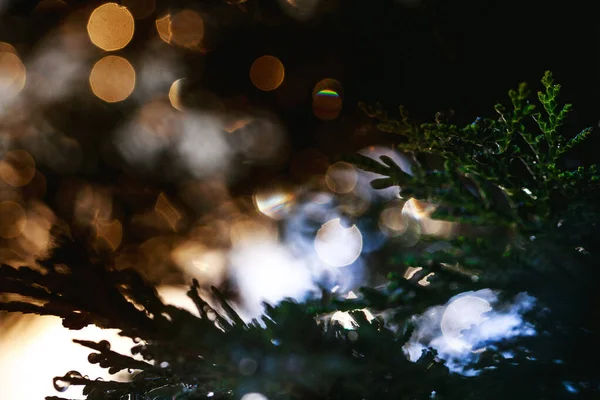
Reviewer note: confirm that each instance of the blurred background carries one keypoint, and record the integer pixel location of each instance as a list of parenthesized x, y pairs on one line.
[(199, 138)]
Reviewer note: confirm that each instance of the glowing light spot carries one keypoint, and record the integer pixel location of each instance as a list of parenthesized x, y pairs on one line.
[(17, 168), (12, 75), (341, 177), (187, 29), (275, 203), (327, 105), (330, 85), (336, 245), (110, 27), (461, 314), (247, 231), (140, 9), (12, 219), (175, 94), (8, 48), (267, 73), (254, 396), (393, 222), (200, 262), (112, 79), (168, 211), (111, 233), (163, 27)]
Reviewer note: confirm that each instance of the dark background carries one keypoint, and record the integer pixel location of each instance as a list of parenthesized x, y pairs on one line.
[(428, 55)]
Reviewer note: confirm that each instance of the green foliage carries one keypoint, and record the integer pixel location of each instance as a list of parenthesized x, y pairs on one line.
[(503, 171), (502, 176)]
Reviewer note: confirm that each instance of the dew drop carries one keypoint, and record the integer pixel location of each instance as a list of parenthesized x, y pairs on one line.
[(60, 385), (73, 375), (94, 358), (104, 345)]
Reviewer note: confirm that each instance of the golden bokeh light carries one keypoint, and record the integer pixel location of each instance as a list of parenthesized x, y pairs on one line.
[(163, 27), (209, 266), (328, 84), (175, 94), (17, 168), (8, 48), (392, 221), (110, 233), (341, 177), (12, 75), (275, 203), (140, 9), (246, 231), (168, 212), (111, 26), (112, 79), (327, 105), (267, 73), (187, 29), (13, 219), (158, 118)]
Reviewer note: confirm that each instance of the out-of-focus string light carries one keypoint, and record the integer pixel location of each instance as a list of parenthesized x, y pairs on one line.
[(175, 94), (267, 73), (336, 245), (198, 261), (12, 219), (17, 168), (112, 79), (12, 75), (111, 26), (275, 203), (140, 9), (167, 210), (186, 29), (341, 177), (163, 27), (461, 314), (327, 105), (392, 221), (8, 48), (328, 84)]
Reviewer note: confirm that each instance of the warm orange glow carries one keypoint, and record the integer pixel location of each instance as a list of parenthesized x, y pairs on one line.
[(341, 177), (163, 27), (175, 94), (112, 79), (111, 233), (17, 168), (12, 75), (327, 105), (110, 27), (267, 73), (12, 219), (187, 29), (328, 84), (167, 211), (140, 8), (8, 48), (158, 118)]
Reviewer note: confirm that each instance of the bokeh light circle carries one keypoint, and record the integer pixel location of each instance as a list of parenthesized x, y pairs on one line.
[(111, 26), (328, 84), (163, 27), (336, 245), (12, 75), (327, 105), (13, 219), (112, 79), (461, 314), (341, 177), (175, 94), (17, 168), (267, 73), (8, 48), (187, 29), (274, 202)]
